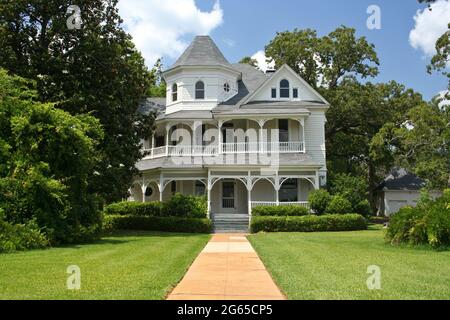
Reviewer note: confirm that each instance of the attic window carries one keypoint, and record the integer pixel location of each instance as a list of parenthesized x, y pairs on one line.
[(284, 88), (199, 90), (295, 93), (174, 92), (226, 87), (274, 93)]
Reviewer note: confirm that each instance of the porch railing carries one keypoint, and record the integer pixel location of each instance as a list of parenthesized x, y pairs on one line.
[(227, 148), (273, 203)]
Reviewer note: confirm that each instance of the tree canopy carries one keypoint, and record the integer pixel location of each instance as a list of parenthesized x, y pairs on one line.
[(95, 69)]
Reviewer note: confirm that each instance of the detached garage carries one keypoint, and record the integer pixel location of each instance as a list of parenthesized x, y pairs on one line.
[(401, 188)]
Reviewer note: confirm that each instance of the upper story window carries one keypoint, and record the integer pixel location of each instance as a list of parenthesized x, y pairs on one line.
[(284, 88), (274, 93), (295, 93), (226, 87), (174, 92), (200, 90)]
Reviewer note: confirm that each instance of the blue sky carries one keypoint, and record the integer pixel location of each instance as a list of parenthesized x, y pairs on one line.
[(246, 26)]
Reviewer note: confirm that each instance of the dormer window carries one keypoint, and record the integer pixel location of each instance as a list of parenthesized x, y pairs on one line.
[(174, 92), (226, 87), (284, 89), (199, 90)]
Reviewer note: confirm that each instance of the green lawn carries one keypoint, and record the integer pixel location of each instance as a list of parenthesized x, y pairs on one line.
[(135, 265), (334, 265)]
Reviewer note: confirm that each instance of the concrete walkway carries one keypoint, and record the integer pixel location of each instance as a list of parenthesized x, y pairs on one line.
[(228, 268)]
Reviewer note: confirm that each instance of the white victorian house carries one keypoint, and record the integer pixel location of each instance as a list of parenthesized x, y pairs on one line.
[(239, 136)]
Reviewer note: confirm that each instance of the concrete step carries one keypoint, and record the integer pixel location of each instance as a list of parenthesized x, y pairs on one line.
[(230, 223)]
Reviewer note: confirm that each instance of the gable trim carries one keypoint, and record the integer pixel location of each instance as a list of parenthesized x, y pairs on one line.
[(284, 66)]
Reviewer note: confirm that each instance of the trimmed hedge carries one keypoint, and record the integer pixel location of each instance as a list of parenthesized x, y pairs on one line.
[(291, 210), (134, 209), (14, 237), (311, 223), (178, 206), (147, 223)]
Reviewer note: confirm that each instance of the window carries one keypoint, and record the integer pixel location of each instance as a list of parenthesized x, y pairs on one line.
[(283, 127), (226, 87), (148, 192), (274, 93), (200, 189), (284, 88), (227, 132), (289, 191), (200, 90), (174, 92), (295, 93), (173, 187)]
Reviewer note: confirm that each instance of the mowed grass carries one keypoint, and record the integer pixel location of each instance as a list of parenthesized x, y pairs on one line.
[(334, 266), (132, 265)]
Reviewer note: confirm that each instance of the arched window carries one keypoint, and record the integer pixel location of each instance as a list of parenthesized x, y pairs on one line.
[(200, 90), (284, 88), (174, 92)]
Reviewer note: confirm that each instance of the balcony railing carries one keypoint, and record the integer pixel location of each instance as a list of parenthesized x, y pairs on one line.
[(226, 148)]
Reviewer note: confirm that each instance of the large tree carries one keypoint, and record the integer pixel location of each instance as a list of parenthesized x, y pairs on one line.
[(359, 111), (324, 61), (421, 143), (46, 159), (92, 69)]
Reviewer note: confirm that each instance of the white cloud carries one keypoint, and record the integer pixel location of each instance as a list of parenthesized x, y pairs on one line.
[(229, 42), (430, 25), (158, 26), (260, 56)]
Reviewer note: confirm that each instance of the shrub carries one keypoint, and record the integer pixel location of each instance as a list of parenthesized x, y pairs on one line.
[(354, 189), (428, 223), (20, 236), (134, 208), (185, 206), (146, 223), (291, 210), (339, 205), (363, 208), (319, 200), (311, 223)]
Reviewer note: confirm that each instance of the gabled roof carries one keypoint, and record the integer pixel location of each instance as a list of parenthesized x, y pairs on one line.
[(401, 179), (202, 52), (289, 69)]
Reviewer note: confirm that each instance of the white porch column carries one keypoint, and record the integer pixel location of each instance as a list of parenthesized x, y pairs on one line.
[(208, 188), (302, 122), (143, 189), (249, 186), (219, 136), (316, 181), (152, 145), (261, 123), (161, 187), (168, 127), (277, 190)]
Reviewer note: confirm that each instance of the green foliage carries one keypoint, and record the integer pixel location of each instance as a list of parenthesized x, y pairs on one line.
[(363, 208), (311, 223), (441, 59), (124, 208), (422, 146), (291, 210), (319, 200), (250, 61), (354, 189), (428, 223), (339, 205), (14, 237), (185, 206), (331, 57), (95, 70), (147, 223), (47, 157)]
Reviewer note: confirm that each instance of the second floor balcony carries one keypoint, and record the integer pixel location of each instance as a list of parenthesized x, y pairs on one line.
[(226, 137)]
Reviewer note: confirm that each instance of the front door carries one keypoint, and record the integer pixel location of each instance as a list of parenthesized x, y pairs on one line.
[(228, 197)]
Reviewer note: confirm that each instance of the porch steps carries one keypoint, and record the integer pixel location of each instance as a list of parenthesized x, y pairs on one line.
[(230, 223)]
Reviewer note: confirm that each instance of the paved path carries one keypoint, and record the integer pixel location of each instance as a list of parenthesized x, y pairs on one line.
[(228, 268)]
